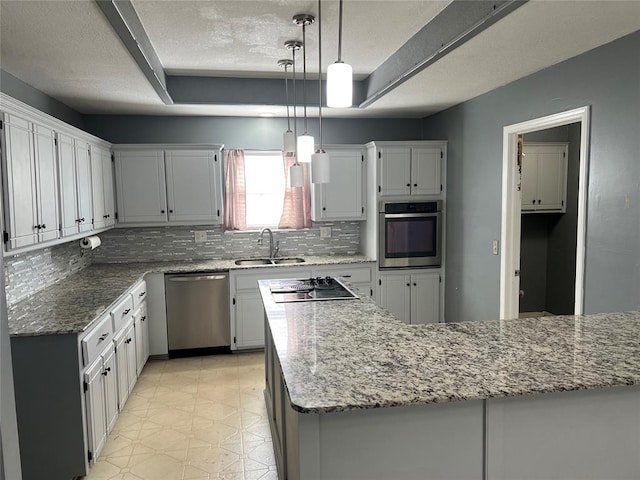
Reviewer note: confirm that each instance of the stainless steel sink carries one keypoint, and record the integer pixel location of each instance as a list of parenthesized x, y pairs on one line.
[(253, 261), (279, 261)]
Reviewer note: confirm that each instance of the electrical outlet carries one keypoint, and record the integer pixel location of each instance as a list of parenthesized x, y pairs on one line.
[(494, 247), (325, 232), (200, 237)]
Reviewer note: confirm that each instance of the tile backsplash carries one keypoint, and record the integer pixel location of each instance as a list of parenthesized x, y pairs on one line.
[(28, 273), (178, 243)]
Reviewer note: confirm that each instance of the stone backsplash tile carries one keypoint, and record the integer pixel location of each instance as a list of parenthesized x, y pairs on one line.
[(28, 273), (178, 243)]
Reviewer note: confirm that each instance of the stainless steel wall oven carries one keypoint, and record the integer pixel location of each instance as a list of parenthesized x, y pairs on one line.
[(410, 234)]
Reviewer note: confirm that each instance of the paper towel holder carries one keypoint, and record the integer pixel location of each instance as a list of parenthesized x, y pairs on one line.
[(89, 243)]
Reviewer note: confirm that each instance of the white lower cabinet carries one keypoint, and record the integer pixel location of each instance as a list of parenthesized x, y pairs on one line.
[(141, 327), (132, 361), (247, 311), (121, 367), (412, 297), (100, 400)]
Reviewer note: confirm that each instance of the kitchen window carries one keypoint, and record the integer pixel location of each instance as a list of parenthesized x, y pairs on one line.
[(258, 194)]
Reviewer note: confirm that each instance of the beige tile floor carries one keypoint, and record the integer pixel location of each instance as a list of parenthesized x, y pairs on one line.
[(191, 419)]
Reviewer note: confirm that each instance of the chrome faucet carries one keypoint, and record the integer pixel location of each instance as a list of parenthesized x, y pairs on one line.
[(273, 251)]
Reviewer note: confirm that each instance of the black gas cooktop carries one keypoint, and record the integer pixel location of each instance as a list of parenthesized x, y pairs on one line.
[(309, 289)]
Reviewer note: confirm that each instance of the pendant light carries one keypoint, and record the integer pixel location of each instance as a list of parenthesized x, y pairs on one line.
[(296, 175), (305, 141), (320, 161), (288, 137), (339, 77)]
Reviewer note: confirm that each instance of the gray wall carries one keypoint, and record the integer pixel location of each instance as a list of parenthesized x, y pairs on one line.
[(19, 90), (239, 132), (607, 79)]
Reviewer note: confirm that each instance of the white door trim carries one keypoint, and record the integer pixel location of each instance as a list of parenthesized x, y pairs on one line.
[(512, 199)]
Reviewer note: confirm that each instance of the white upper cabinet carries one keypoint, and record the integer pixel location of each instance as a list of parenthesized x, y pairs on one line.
[(31, 187), (544, 177), (181, 186), (343, 197), (140, 186), (410, 170), (102, 183), (191, 186), (68, 192), (83, 186)]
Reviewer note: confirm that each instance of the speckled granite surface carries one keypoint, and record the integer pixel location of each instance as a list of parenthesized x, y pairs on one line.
[(350, 354), (72, 305)]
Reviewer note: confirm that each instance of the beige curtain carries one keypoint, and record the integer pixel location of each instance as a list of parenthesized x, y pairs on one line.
[(235, 211), (296, 212)]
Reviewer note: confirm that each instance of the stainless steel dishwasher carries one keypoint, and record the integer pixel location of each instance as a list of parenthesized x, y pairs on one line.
[(198, 313)]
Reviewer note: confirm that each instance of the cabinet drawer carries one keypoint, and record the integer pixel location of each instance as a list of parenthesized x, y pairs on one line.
[(121, 312), (139, 293), (350, 274), (96, 340)]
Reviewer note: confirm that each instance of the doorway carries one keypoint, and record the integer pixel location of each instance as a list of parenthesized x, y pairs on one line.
[(539, 231)]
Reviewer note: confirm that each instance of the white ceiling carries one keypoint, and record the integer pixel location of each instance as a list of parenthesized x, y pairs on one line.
[(68, 50)]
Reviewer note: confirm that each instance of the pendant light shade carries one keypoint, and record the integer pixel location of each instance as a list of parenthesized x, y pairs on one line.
[(296, 175), (339, 77), (339, 85), (320, 167), (305, 147), (289, 142)]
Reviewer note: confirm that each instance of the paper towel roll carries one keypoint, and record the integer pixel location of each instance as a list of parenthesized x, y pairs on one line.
[(90, 242)]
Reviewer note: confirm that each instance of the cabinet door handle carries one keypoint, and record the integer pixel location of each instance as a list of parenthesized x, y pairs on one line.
[(142, 294), (43, 226), (539, 201), (36, 227), (103, 336), (408, 184), (533, 202), (408, 284), (415, 184), (143, 318), (126, 311), (170, 211), (346, 276), (105, 216), (414, 284), (82, 219)]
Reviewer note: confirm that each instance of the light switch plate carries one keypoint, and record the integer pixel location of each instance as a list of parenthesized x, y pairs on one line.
[(200, 237), (325, 232)]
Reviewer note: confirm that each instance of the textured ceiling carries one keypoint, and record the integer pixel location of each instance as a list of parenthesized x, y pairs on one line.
[(69, 51)]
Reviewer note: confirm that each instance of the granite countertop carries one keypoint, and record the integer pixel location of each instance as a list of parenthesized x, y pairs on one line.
[(72, 305), (351, 354)]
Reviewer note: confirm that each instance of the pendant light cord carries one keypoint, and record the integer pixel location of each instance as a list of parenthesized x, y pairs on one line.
[(286, 93), (340, 33), (295, 109), (320, 73), (304, 73)]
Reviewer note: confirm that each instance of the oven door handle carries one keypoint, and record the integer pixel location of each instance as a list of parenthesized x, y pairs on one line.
[(411, 215)]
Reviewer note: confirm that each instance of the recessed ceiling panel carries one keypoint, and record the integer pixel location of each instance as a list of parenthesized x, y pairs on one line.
[(533, 37), (67, 50), (246, 37)]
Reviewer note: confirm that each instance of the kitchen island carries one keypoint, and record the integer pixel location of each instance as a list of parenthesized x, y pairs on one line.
[(354, 393)]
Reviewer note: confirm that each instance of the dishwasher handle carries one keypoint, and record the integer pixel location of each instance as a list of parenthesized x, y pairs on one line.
[(197, 278)]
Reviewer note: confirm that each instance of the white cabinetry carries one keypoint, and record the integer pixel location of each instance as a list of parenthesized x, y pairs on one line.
[(247, 311), (413, 297), (544, 177), (83, 186), (409, 169), (156, 186), (141, 327), (141, 187), (30, 182), (343, 197), (75, 186), (192, 186), (102, 188), (101, 399)]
